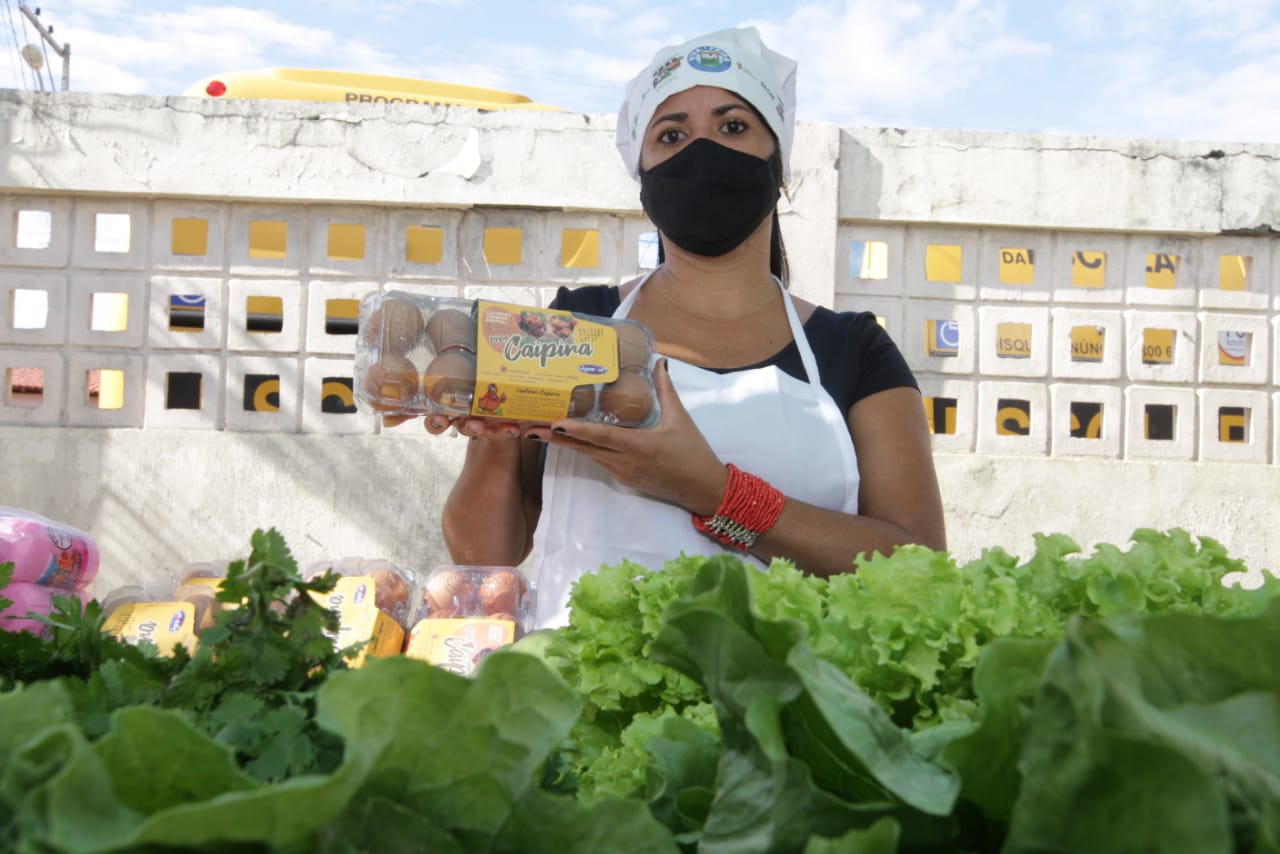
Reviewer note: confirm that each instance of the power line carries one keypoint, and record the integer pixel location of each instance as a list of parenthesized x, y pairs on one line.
[(46, 36)]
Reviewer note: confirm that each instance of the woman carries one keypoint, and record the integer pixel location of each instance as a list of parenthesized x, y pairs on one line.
[(787, 430)]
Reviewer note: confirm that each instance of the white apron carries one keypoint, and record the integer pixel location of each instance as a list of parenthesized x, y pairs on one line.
[(766, 422)]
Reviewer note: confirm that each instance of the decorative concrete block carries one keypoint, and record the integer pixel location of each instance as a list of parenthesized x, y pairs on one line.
[(33, 308), (186, 313), (502, 245), (188, 236), (1234, 425), (1013, 341), (1161, 346), (111, 234), (1161, 270), (1235, 349), (45, 407), (123, 391), (1160, 422), (328, 399), (251, 318), (1088, 420), (36, 231), (869, 259), (422, 243), (256, 384), (185, 390), (951, 407), (1015, 266), (1236, 273), (1087, 344), (346, 241), (583, 248), (940, 337), (1013, 418), (267, 240), (330, 328), (942, 263), (1089, 268), (96, 297)]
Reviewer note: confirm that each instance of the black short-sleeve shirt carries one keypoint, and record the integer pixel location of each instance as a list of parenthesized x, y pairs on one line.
[(855, 355)]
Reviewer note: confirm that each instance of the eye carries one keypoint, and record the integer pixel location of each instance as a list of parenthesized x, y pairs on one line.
[(734, 126), (670, 136)]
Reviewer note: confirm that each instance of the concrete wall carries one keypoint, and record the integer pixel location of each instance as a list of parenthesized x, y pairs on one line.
[(162, 486)]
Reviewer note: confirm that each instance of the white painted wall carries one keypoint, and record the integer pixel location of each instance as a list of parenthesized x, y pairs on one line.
[(161, 487)]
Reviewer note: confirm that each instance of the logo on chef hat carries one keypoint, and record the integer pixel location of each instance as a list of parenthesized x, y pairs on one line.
[(665, 70), (708, 58)]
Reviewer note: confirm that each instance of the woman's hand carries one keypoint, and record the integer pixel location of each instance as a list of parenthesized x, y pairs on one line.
[(671, 460)]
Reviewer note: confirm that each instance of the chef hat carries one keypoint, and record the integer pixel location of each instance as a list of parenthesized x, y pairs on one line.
[(736, 60)]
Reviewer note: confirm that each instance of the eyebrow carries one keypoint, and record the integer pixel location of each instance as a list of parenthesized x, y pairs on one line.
[(718, 111)]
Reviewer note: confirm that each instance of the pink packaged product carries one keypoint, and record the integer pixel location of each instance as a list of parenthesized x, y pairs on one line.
[(46, 552), (36, 598)]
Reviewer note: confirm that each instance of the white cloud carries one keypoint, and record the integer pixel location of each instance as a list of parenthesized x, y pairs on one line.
[(866, 57)]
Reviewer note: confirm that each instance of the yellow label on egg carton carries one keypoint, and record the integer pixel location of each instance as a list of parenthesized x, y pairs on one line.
[(166, 624), (529, 360), (360, 620), (458, 644)]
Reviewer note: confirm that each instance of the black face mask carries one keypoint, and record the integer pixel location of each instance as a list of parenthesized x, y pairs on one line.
[(708, 198)]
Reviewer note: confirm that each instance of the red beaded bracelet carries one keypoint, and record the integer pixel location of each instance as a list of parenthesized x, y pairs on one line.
[(750, 507)]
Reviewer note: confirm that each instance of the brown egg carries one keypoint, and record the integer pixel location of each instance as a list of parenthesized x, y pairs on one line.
[(391, 383), (450, 381), (582, 401), (394, 326), (629, 400), (449, 328), (635, 344), (502, 591), (447, 589), (391, 592)]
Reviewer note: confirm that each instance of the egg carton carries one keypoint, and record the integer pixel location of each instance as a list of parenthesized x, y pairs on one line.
[(418, 354)]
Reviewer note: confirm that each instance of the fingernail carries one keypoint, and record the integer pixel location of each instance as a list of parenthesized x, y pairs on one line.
[(535, 437), (560, 431)]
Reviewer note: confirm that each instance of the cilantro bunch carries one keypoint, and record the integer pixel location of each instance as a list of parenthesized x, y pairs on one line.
[(249, 684)]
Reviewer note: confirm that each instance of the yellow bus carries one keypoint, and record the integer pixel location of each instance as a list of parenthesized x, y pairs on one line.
[(303, 84)]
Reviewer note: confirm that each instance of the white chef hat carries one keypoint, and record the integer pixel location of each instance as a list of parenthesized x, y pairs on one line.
[(736, 60)]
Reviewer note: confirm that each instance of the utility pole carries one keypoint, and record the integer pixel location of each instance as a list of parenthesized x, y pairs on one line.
[(46, 33)]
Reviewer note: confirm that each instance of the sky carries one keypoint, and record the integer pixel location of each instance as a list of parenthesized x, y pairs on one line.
[(1161, 69)]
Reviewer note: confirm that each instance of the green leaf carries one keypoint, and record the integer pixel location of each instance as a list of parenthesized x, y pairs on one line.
[(1006, 680), (158, 759), (1166, 702)]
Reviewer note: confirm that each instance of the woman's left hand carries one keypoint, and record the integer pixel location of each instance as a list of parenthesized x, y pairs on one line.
[(671, 460)]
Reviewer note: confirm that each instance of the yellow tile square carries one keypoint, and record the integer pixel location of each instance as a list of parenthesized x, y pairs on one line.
[(1089, 270), (1162, 271), (268, 238), (346, 241), (1234, 272), (1086, 343), (503, 245), (580, 247), (424, 244), (190, 236), (1017, 266), (943, 263)]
